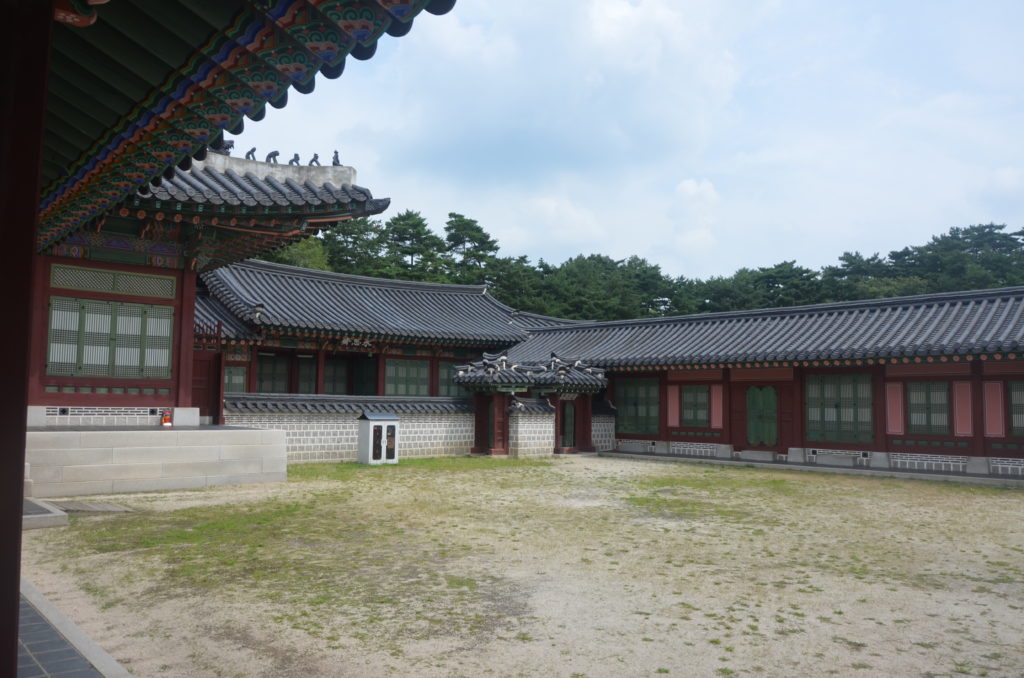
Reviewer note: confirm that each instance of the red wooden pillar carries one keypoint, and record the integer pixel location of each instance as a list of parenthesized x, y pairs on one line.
[(878, 413), (978, 409), (218, 415), (319, 369), (40, 327), (556, 402), (253, 375), (24, 64), (186, 339), (382, 374), (584, 422), (435, 377)]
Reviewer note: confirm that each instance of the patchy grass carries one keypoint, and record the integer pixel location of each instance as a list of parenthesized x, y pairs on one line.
[(478, 566), (348, 470)]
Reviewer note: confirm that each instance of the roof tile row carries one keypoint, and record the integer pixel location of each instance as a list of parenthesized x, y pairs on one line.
[(293, 298), (276, 403), (934, 324)]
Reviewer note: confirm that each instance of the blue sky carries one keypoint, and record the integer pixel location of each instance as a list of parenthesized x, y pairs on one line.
[(701, 135)]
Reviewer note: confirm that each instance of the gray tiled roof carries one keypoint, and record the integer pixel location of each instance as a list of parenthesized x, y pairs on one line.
[(301, 299), (495, 371), (258, 403), (530, 406), (204, 184), (209, 312), (934, 324), (530, 321)]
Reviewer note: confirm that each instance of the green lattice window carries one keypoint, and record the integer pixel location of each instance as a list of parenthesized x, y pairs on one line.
[(305, 367), (638, 406), (928, 407), (109, 339), (234, 379), (407, 377), (336, 376), (272, 373), (839, 408), (445, 385), (1016, 401), (694, 406)]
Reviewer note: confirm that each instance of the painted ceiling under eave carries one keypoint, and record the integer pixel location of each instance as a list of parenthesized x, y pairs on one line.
[(138, 87)]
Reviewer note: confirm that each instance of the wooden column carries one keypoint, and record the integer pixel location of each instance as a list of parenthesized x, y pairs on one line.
[(319, 369), (24, 65), (382, 374), (584, 422), (186, 339), (218, 415), (555, 400), (253, 373), (978, 409), (40, 327)]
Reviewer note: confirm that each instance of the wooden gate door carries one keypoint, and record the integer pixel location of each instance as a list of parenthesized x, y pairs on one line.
[(206, 386), (762, 417), (568, 432)]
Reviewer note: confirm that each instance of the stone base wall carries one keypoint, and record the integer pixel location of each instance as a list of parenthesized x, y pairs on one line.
[(999, 466), (107, 417), (531, 435), (335, 437), (68, 463), (928, 462), (602, 432), (700, 449), (842, 458), (644, 446)]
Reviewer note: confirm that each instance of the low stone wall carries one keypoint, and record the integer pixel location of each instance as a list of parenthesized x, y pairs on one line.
[(1000, 466), (105, 461), (531, 435), (716, 450), (334, 437), (435, 435), (644, 446), (308, 437), (928, 462), (602, 432)]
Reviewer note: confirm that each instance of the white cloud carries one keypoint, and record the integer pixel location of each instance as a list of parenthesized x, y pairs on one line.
[(703, 135), (698, 190)]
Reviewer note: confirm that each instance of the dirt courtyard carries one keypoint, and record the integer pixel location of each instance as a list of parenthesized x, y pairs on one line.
[(575, 567)]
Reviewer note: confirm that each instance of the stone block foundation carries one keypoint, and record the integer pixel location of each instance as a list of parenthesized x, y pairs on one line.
[(531, 435), (105, 461)]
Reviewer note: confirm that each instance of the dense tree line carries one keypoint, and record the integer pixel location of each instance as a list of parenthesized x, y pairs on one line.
[(599, 287)]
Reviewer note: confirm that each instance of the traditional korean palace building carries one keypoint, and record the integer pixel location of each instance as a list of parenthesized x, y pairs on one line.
[(930, 383), (113, 206), (925, 383)]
